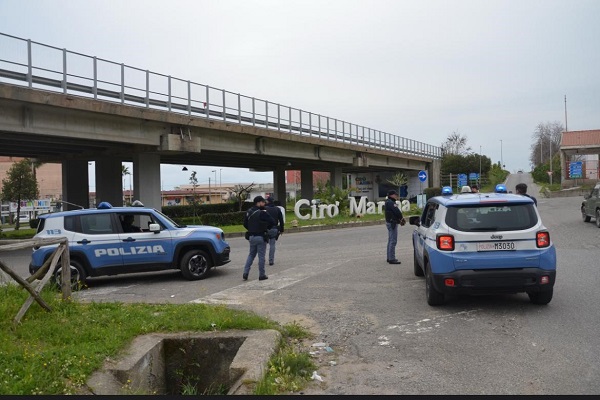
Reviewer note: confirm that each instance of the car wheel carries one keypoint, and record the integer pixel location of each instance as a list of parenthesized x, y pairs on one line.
[(584, 216), (434, 298), (417, 267), (598, 218), (77, 276), (195, 265), (541, 298)]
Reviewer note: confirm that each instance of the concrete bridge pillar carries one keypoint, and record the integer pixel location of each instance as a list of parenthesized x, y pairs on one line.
[(433, 173), (75, 184), (279, 184), (146, 179), (306, 184), (109, 181), (335, 177)]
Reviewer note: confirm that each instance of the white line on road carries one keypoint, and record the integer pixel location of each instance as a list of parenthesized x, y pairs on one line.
[(249, 291)]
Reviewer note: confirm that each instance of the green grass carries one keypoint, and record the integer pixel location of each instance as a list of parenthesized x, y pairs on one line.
[(55, 353), (23, 233)]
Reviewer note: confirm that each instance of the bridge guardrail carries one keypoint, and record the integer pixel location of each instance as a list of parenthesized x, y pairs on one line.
[(38, 65)]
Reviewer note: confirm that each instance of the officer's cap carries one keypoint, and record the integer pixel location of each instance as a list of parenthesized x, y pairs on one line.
[(258, 199)]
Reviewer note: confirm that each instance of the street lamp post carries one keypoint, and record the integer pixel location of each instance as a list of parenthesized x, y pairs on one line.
[(209, 195), (501, 158), (215, 171), (479, 178)]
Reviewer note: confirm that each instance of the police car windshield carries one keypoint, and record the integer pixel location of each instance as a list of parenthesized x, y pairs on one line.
[(491, 218), (169, 220)]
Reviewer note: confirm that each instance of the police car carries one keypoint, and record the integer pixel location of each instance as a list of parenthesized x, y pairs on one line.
[(480, 243), (117, 240)]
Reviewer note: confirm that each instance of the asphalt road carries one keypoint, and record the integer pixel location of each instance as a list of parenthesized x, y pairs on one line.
[(384, 336)]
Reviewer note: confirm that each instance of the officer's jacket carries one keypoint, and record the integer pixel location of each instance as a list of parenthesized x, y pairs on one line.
[(276, 214), (392, 212), (257, 221)]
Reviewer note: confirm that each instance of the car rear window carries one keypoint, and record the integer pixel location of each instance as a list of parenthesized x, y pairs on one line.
[(491, 218)]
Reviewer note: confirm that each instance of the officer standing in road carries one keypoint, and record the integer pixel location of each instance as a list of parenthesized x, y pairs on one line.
[(257, 221), (521, 189), (275, 231), (393, 217)]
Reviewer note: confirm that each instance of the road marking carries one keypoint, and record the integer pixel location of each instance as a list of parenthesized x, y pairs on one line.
[(253, 290), (429, 324)]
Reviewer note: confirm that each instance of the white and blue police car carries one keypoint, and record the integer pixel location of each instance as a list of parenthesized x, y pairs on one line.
[(118, 240), (482, 243)]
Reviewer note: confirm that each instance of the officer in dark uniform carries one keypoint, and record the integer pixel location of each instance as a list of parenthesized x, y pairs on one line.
[(275, 231), (257, 221), (393, 217)]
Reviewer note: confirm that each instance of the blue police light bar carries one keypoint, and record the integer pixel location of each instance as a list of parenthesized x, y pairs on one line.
[(105, 205), (446, 190), (500, 188)]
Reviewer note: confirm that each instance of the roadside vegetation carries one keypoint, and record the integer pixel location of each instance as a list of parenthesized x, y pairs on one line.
[(53, 353)]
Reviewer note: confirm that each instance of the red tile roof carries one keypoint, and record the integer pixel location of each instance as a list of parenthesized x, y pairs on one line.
[(581, 138)]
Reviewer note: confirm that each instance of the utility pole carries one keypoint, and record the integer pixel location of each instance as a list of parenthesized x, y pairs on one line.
[(209, 196), (501, 158), (479, 178), (566, 126)]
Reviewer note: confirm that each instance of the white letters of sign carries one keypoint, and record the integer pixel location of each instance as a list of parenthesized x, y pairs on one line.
[(319, 211)]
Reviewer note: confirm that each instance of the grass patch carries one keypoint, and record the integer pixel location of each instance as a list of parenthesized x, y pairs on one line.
[(20, 234), (55, 353), (291, 368)]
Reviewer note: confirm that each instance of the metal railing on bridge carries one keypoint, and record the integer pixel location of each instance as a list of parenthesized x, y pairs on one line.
[(40, 66)]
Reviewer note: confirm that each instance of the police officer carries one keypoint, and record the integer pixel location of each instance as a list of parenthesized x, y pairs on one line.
[(275, 212), (257, 221), (393, 217), (521, 189)]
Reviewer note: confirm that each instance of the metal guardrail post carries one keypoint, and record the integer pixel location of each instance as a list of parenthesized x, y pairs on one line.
[(147, 88), (122, 83), (300, 121), (64, 80), (239, 109), (319, 125), (224, 107), (278, 117), (290, 121), (267, 114), (207, 101), (189, 99), (95, 68), (29, 64), (253, 113), (169, 95)]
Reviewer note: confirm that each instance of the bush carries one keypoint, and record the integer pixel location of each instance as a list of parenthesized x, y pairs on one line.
[(178, 212), (213, 219), (33, 223), (432, 192)]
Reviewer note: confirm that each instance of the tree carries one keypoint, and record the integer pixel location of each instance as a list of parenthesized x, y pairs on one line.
[(546, 144), (398, 180), (455, 144), (19, 184), (125, 172), (241, 193), (194, 183)]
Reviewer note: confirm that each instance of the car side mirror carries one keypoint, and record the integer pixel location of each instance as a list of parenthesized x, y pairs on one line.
[(414, 220), (154, 228)]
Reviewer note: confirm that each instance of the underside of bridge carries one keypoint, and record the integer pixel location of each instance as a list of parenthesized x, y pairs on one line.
[(54, 127)]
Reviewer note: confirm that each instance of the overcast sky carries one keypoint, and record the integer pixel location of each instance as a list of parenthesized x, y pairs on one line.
[(491, 70)]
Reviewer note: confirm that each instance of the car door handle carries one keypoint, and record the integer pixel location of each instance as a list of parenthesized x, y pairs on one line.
[(129, 239), (84, 241)]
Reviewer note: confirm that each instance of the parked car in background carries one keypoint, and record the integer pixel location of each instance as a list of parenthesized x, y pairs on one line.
[(590, 207), (23, 219)]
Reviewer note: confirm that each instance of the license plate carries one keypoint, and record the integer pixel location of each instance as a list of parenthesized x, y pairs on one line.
[(496, 246)]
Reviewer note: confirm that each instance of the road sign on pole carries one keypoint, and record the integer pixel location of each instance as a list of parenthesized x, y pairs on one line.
[(422, 176)]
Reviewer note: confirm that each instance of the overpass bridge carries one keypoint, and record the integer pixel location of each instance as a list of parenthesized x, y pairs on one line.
[(62, 106)]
